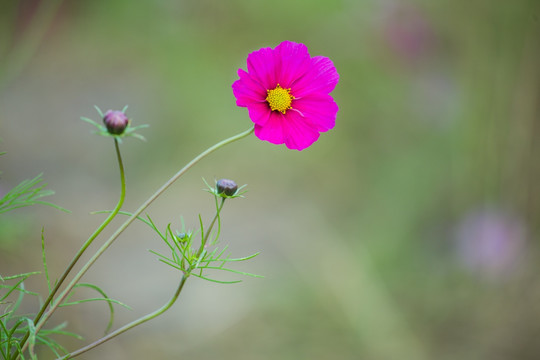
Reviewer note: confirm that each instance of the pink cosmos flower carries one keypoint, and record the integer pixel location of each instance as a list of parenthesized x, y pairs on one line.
[(286, 92)]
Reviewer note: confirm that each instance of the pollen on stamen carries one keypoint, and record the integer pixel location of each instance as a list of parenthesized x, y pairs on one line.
[(279, 99)]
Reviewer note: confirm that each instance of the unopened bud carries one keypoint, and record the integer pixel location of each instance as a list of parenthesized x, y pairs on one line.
[(226, 186), (115, 121)]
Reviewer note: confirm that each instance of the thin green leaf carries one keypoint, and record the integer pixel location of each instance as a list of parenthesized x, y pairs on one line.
[(122, 213), (233, 271), (19, 351), (172, 265), (138, 127), (9, 337), (27, 193), (160, 255), (21, 275), (201, 257), (99, 111), (105, 298), (112, 301), (4, 355), (180, 249), (54, 346), (166, 238), (13, 288), (57, 207), (17, 289), (202, 230), (216, 281), (209, 256), (218, 259), (177, 245), (44, 258), (69, 333), (50, 344), (58, 330), (242, 258), (31, 338), (10, 341), (15, 327), (154, 227)]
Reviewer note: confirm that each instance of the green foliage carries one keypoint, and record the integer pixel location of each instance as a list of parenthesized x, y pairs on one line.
[(193, 262), (184, 257), (96, 288), (104, 297), (27, 193), (189, 259), (13, 326)]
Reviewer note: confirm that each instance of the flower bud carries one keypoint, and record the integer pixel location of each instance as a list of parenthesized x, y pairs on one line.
[(182, 237), (227, 187), (115, 121)]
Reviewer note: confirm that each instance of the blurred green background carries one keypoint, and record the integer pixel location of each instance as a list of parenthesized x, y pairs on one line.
[(407, 232)]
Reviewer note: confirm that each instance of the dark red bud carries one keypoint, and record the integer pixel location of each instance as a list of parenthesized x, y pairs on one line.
[(115, 121), (226, 186)]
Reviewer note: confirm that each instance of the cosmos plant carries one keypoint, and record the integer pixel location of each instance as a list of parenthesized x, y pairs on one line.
[(287, 94)]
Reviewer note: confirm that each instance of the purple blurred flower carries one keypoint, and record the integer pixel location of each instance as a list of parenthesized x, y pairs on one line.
[(490, 242)]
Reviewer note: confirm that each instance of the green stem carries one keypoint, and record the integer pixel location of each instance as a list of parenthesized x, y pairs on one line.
[(159, 311), (121, 229), (83, 248), (205, 237), (132, 324)]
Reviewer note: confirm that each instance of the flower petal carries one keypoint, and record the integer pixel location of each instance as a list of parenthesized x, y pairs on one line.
[(272, 131), (293, 61), (299, 133), (247, 90), (259, 113), (321, 78), (262, 67), (318, 110)]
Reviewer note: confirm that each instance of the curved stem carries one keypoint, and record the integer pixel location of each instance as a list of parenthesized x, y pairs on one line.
[(132, 324), (83, 247), (159, 311), (121, 229)]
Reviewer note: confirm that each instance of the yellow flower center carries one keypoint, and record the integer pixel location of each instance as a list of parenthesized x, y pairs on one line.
[(279, 99)]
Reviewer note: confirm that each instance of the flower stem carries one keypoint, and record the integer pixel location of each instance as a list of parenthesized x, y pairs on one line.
[(207, 235), (159, 311), (82, 249), (121, 229), (132, 324)]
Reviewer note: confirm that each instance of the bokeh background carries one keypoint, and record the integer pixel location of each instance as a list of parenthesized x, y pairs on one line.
[(410, 231)]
